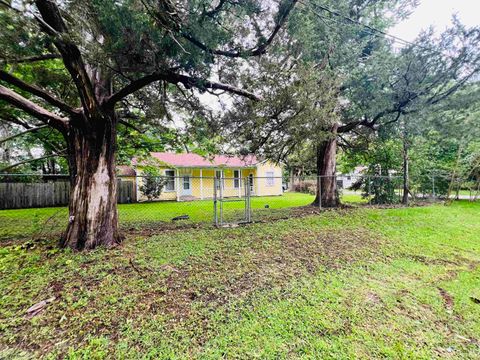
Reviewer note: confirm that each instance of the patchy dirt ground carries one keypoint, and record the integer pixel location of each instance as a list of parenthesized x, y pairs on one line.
[(228, 274), (360, 281), (253, 269)]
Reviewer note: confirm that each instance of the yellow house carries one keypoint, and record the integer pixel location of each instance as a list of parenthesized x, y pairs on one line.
[(191, 176)]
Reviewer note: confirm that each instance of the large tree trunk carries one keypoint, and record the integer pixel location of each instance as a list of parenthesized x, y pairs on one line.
[(93, 218), (326, 194)]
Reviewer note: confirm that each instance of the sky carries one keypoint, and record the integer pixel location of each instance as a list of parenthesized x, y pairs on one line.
[(437, 13)]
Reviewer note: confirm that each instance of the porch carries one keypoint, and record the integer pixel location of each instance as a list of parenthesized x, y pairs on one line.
[(198, 183)]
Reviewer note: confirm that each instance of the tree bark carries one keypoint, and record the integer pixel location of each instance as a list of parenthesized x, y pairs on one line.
[(93, 218), (326, 194)]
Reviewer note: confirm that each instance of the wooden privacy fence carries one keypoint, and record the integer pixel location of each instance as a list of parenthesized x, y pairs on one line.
[(18, 195)]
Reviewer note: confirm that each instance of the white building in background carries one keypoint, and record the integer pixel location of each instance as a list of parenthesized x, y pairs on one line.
[(345, 181)]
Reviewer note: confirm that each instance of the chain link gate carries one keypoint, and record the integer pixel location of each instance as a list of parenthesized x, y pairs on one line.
[(232, 209)]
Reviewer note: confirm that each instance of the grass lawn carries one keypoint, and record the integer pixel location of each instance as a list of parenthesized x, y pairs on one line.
[(357, 283), (464, 193), (36, 222)]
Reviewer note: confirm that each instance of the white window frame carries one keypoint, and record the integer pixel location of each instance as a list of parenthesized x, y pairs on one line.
[(236, 179), (221, 178), (189, 182), (270, 178), (173, 178)]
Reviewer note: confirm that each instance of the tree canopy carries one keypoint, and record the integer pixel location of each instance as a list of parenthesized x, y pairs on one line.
[(99, 82)]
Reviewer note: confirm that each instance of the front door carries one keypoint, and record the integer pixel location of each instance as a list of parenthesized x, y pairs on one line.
[(186, 185)]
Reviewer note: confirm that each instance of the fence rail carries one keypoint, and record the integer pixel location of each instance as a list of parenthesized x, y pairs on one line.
[(20, 195), (155, 202)]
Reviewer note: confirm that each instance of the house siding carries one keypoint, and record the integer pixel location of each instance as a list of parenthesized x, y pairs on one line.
[(165, 195), (263, 186), (202, 182)]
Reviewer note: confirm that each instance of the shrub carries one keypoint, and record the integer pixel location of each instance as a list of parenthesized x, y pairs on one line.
[(152, 184)]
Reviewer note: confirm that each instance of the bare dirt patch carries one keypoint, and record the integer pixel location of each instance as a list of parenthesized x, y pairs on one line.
[(447, 299), (433, 261), (228, 276), (217, 279)]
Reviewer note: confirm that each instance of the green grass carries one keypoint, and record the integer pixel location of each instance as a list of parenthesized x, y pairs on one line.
[(350, 197), (464, 193), (36, 222), (357, 283)]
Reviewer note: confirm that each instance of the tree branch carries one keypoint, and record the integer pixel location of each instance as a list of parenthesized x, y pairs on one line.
[(29, 161), (398, 109), (35, 58), (8, 138), (260, 48), (436, 98), (11, 119), (34, 90), (352, 125), (394, 120), (27, 126), (173, 78), (131, 126), (52, 23), (214, 11), (33, 109)]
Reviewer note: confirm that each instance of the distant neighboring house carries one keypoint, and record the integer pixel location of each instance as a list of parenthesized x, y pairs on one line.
[(191, 176), (345, 181)]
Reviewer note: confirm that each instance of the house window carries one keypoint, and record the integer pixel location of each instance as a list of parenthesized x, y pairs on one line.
[(170, 177), (186, 183), (220, 180), (270, 178), (236, 179)]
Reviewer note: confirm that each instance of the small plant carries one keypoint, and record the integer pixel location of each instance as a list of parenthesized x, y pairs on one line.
[(153, 184), (380, 190)]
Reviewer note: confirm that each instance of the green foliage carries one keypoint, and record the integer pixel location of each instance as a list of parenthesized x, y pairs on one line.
[(444, 144), (381, 190), (121, 41), (295, 115), (152, 182), (380, 182)]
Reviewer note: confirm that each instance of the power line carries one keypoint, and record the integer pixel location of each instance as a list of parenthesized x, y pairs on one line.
[(372, 29)]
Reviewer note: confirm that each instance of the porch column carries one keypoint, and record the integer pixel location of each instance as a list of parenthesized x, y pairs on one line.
[(137, 192), (201, 184), (239, 182), (177, 185)]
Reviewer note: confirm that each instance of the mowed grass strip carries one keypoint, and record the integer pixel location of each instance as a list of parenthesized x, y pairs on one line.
[(44, 222), (357, 283)]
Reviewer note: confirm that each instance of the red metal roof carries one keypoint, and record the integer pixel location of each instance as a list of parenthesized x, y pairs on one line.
[(195, 160)]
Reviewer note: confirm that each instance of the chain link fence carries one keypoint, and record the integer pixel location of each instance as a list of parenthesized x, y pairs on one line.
[(37, 205)]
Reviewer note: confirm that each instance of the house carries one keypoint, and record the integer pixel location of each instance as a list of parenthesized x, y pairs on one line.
[(191, 176), (345, 181)]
